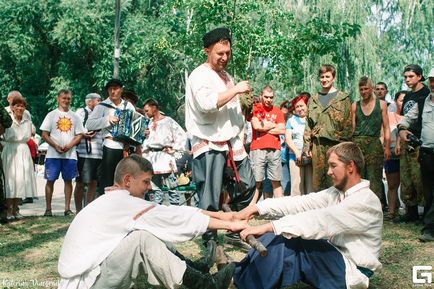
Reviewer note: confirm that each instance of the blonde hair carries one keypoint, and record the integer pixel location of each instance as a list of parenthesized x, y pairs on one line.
[(347, 152), (132, 165)]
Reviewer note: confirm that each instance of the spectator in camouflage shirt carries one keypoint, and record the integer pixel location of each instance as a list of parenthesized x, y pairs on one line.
[(328, 123)]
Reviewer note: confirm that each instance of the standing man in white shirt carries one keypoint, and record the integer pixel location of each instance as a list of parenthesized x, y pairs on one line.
[(166, 137), (214, 118), (120, 236), (330, 239), (103, 119), (89, 152), (62, 130)]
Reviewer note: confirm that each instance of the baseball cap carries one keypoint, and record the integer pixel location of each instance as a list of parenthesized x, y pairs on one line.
[(93, 96)]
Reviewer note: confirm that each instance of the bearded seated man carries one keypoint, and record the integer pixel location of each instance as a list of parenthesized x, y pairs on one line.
[(330, 239), (120, 236)]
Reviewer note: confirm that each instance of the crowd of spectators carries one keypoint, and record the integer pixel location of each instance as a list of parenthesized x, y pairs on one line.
[(287, 144), (318, 160)]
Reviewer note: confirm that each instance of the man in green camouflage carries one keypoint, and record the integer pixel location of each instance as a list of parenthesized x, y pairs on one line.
[(5, 122), (370, 121), (328, 123), (411, 179)]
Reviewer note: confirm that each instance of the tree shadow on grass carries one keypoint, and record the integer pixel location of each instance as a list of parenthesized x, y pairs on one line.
[(14, 247)]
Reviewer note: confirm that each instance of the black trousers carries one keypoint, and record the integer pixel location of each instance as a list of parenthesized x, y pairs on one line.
[(208, 171), (2, 193), (110, 159), (426, 159)]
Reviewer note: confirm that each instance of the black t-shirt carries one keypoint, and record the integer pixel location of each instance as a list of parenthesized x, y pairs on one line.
[(410, 99)]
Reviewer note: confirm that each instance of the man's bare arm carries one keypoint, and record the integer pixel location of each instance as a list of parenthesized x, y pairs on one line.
[(262, 126), (226, 96), (278, 130)]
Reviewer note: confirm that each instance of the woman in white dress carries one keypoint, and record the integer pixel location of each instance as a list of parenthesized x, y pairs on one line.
[(20, 181)]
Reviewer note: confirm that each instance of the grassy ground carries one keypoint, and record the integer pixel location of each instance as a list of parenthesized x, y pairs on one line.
[(29, 250)]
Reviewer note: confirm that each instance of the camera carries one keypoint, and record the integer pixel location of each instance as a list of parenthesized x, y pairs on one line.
[(413, 143)]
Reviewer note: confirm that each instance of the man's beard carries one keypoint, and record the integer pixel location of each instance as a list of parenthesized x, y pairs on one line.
[(342, 184)]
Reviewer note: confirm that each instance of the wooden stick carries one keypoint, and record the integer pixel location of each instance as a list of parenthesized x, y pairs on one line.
[(251, 240)]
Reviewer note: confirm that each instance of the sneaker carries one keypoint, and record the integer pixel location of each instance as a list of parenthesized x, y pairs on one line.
[(48, 213), (426, 237), (69, 213)]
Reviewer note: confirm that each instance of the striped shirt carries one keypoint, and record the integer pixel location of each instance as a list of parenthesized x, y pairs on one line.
[(93, 150)]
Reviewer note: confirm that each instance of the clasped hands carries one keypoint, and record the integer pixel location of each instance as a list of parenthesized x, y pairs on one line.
[(240, 222), (62, 149)]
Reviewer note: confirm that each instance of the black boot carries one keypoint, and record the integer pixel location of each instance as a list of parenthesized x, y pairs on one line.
[(205, 263), (412, 215), (209, 235), (194, 279)]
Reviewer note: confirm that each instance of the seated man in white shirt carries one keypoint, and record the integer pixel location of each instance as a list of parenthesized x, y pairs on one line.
[(120, 236), (329, 240)]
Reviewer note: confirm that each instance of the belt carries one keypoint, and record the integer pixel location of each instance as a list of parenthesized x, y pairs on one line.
[(427, 150), (155, 149), (325, 141)]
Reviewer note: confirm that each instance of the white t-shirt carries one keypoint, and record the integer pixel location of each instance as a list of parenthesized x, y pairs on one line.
[(62, 127)]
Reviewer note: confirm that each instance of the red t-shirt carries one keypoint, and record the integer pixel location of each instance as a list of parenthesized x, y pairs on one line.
[(263, 140)]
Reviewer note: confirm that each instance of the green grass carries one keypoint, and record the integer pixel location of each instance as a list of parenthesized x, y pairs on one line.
[(29, 250)]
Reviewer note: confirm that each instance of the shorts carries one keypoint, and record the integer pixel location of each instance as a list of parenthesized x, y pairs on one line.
[(53, 168), (88, 170), (391, 166), (266, 159)]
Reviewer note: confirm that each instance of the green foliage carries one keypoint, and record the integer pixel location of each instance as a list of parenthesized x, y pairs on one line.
[(50, 44)]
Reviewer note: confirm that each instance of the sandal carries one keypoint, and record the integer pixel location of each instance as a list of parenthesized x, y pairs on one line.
[(48, 213), (69, 213)]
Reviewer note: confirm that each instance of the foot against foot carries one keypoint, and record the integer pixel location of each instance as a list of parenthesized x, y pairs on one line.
[(205, 263), (194, 279)]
